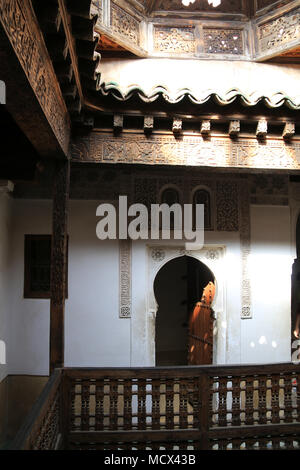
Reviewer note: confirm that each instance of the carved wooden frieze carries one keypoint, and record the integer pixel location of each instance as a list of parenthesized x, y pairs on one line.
[(21, 28), (279, 32), (125, 278), (193, 151), (124, 24), (223, 41), (170, 39)]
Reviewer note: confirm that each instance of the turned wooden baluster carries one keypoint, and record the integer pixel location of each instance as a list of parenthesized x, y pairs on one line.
[(85, 405), (288, 406), (113, 404), (99, 406), (275, 399), (249, 410), (236, 401), (127, 404), (222, 397), (183, 404), (156, 383), (142, 403), (262, 400), (170, 404)]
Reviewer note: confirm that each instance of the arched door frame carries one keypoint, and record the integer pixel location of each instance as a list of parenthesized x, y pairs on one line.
[(210, 255)]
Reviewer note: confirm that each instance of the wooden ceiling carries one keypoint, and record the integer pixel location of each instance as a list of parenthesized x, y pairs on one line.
[(244, 7)]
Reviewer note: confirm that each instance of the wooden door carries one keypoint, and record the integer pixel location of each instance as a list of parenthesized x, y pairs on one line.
[(201, 328)]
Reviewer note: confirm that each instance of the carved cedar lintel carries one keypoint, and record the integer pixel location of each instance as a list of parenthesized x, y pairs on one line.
[(223, 152)]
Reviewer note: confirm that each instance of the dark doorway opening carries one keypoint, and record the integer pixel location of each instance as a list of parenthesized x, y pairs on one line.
[(184, 290)]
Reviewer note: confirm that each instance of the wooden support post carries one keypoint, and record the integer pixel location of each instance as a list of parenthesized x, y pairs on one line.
[(58, 262), (204, 410)]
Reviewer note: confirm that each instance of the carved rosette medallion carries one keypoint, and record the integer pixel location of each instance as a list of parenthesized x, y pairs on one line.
[(158, 254)]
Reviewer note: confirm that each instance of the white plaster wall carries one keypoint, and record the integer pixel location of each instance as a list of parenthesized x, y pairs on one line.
[(95, 336), (94, 333), (29, 318), (5, 221), (266, 337)]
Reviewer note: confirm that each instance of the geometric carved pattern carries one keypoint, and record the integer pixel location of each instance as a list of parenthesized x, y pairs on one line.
[(280, 31), (123, 24), (192, 151), (170, 39), (227, 206), (18, 21), (269, 190), (219, 41), (125, 278)]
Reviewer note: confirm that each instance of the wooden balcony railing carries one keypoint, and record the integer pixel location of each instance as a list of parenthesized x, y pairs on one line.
[(185, 408)]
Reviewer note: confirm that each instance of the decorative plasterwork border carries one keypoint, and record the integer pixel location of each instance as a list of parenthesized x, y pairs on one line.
[(125, 278), (218, 151), (245, 241)]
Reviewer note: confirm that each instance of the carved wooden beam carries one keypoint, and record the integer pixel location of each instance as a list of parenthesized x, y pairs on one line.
[(34, 98), (289, 130), (59, 262), (262, 128), (205, 127)]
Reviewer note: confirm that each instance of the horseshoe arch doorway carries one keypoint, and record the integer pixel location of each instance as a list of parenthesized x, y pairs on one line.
[(184, 289)]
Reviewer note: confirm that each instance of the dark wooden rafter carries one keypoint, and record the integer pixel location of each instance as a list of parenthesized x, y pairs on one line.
[(71, 41), (151, 6), (59, 262)]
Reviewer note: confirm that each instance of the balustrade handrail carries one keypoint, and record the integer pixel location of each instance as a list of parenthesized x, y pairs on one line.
[(82, 405), (27, 433)]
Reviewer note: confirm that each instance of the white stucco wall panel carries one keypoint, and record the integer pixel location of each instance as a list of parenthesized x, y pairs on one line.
[(266, 337)]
